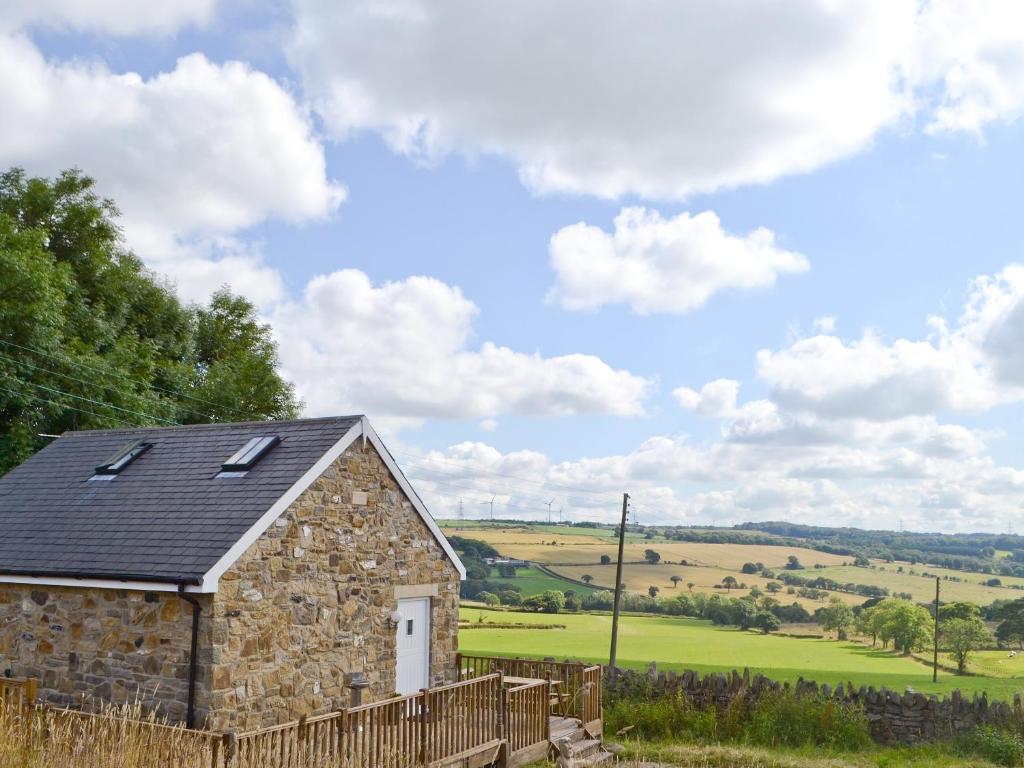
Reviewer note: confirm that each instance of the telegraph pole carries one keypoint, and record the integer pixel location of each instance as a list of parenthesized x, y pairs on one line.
[(935, 659), (618, 584)]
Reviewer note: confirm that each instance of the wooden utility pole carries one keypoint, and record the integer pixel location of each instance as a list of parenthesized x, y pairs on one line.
[(618, 584), (935, 659)]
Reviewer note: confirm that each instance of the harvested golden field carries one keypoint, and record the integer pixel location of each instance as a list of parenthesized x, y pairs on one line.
[(704, 578), (923, 587), (577, 549)]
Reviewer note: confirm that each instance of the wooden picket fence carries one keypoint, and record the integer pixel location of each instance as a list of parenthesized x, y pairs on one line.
[(476, 721), (578, 689)]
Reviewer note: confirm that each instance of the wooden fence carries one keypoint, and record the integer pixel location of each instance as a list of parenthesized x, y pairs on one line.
[(432, 727), (17, 693), (578, 689), (465, 722), (529, 722)]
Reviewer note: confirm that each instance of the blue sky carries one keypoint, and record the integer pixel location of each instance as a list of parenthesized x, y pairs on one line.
[(385, 180)]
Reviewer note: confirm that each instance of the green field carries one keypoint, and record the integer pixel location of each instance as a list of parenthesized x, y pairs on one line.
[(678, 643), (532, 580)]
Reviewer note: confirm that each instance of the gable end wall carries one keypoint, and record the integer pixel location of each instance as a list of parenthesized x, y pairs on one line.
[(312, 600)]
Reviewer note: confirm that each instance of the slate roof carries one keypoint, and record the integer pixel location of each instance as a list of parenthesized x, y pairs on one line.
[(166, 516)]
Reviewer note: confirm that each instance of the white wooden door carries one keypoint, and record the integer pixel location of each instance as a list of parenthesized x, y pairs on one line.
[(413, 645)]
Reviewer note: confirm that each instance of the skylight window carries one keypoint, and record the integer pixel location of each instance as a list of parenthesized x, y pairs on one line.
[(250, 453), (123, 458)]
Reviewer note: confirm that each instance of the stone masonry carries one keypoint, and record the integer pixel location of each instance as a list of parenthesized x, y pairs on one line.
[(310, 601), (87, 646), (893, 717)]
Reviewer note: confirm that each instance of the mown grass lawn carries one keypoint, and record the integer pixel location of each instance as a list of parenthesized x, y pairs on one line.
[(679, 643)]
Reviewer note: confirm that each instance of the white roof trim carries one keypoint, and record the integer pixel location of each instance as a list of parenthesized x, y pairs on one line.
[(417, 502), (360, 429), (211, 577), (63, 581)]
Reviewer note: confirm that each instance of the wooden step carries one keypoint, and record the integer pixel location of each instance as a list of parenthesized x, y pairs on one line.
[(585, 748)]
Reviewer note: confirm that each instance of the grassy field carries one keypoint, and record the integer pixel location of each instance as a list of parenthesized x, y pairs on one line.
[(678, 643), (532, 580)]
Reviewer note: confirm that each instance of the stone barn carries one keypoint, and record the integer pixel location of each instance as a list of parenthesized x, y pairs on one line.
[(232, 576)]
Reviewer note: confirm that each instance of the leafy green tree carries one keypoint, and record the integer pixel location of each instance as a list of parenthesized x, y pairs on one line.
[(729, 582), (90, 339), (749, 568), (907, 625), (549, 601), (510, 597), (1011, 623), (489, 598), (572, 600), (773, 587), (767, 622), (605, 559), (690, 585), (963, 636), (836, 617), (958, 610), (793, 563), (651, 556), (675, 579), (586, 578), (653, 591)]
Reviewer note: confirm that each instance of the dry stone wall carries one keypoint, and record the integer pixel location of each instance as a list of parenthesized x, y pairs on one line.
[(312, 600), (893, 717), (87, 646)]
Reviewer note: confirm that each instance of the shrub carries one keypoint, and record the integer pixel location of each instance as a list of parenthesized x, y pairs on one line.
[(994, 744), (780, 719)]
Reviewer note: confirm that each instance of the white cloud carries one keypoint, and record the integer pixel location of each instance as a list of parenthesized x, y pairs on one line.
[(716, 398), (971, 366), (654, 264), (402, 350), (826, 324), (191, 156), (968, 63), (117, 17), (660, 99)]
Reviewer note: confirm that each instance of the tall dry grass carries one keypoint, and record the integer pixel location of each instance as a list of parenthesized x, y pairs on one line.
[(118, 737)]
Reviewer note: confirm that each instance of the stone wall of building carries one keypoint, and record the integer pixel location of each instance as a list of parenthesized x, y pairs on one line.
[(893, 717), (312, 600), (87, 646)]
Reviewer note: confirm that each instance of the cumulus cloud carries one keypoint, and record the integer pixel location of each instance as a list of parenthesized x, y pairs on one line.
[(716, 398), (116, 17), (192, 156), (731, 94), (402, 350), (971, 365), (654, 264)]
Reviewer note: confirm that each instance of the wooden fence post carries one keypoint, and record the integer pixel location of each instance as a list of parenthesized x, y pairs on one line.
[(425, 717), (31, 686), (230, 748), (502, 707)]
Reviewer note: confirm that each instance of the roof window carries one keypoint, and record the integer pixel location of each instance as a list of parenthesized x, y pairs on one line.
[(123, 458), (247, 456)]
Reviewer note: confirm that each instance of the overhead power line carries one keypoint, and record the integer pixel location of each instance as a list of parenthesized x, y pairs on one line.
[(111, 371), (68, 407), (105, 386), (146, 416)]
